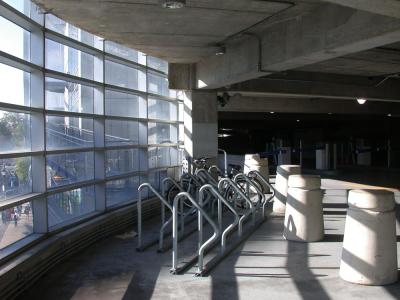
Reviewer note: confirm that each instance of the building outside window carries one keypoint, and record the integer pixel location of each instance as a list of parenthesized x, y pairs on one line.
[(83, 122)]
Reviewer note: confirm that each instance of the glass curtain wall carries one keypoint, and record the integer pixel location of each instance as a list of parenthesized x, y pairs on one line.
[(83, 121)]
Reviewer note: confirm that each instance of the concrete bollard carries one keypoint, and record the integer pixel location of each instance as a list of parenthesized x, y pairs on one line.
[(369, 254), (253, 162), (281, 186), (304, 221)]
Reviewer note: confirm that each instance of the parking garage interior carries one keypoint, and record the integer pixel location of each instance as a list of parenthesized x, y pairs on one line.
[(145, 146)]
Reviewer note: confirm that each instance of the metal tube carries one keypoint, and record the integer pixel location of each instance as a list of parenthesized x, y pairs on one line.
[(225, 161), (237, 189), (139, 208), (266, 182), (256, 188), (175, 230), (221, 199), (210, 179), (139, 220)]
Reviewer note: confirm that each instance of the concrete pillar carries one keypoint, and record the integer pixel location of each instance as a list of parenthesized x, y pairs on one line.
[(201, 124), (304, 220), (281, 186), (369, 253)]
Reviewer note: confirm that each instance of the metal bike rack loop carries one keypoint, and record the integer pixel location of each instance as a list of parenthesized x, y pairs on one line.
[(210, 179), (175, 224), (140, 247), (251, 205), (250, 182), (265, 181), (221, 200)]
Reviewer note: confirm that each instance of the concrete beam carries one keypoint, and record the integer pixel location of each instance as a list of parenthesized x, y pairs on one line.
[(307, 88), (326, 32), (390, 8), (292, 105)]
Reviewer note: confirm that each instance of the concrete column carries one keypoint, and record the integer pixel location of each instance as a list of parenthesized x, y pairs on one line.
[(304, 220), (369, 253), (281, 186), (201, 124)]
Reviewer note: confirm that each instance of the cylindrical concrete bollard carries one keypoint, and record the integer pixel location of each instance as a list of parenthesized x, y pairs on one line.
[(281, 186), (253, 162), (369, 254), (304, 220)]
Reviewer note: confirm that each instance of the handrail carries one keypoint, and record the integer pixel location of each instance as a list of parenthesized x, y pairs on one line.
[(265, 181), (175, 230), (250, 182), (251, 205), (225, 161), (165, 224), (139, 209), (210, 178), (212, 190)]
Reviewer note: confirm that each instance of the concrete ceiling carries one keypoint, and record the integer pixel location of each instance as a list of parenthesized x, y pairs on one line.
[(380, 61), (183, 35), (262, 38)]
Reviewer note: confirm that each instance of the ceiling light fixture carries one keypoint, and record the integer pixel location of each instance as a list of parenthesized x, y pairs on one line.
[(389, 115), (361, 100), (221, 50), (173, 4), (271, 112)]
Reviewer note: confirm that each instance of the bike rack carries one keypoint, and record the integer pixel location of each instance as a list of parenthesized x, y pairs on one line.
[(250, 182), (251, 205), (212, 239), (216, 168), (225, 161), (210, 179), (265, 181), (221, 200), (141, 247), (165, 224)]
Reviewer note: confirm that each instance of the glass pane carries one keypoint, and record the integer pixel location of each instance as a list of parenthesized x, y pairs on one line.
[(174, 156), (181, 111), (159, 133), (124, 76), (122, 161), (15, 177), (121, 133), (157, 63), (27, 8), (60, 26), (15, 86), (70, 205), (16, 224), (68, 132), (121, 51), (71, 61), (68, 96), (181, 133), (14, 39), (159, 157), (15, 135), (157, 85), (69, 168), (163, 110), (125, 105), (122, 190)]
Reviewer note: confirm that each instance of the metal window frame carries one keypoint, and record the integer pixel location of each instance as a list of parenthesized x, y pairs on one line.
[(38, 112)]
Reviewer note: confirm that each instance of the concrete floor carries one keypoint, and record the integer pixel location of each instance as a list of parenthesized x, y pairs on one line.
[(264, 267)]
